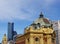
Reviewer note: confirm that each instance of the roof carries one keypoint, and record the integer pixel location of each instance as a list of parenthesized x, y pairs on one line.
[(46, 20), (42, 21)]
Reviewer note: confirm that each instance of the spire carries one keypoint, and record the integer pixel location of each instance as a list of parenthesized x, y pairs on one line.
[(41, 15)]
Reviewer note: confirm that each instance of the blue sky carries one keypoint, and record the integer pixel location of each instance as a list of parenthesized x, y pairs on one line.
[(24, 12)]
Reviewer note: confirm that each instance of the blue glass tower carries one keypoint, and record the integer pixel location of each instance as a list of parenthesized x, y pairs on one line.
[(10, 31)]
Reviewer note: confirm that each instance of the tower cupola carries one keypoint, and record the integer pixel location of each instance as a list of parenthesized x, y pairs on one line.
[(41, 15)]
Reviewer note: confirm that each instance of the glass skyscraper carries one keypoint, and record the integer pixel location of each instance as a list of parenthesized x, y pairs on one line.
[(10, 31)]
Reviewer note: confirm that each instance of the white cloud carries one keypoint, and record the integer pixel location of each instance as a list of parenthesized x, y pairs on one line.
[(20, 9), (10, 9)]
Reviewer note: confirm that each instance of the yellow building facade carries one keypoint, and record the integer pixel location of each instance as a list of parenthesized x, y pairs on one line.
[(39, 32)]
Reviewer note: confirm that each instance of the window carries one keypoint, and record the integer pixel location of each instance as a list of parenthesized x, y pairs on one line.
[(36, 39), (38, 24), (28, 39), (35, 27)]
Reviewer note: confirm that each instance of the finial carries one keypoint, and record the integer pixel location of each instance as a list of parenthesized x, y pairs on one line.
[(41, 15), (4, 34)]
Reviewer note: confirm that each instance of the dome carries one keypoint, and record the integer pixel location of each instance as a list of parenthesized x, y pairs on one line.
[(41, 21)]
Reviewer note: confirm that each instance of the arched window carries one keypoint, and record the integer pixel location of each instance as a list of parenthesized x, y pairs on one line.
[(37, 41), (38, 24)]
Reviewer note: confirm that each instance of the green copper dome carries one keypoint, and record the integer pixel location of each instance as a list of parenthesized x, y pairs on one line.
[(41, 21)]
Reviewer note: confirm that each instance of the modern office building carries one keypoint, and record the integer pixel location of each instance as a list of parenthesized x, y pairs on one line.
[(0, 43), (14, 33), (56, 27), (11, 31)]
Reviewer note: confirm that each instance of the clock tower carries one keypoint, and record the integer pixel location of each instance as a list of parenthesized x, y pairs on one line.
[(4, 40)]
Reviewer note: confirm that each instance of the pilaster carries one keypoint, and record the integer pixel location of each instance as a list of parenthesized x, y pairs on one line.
[(41, 39), (49, 39), (26, 42), (31, 41)]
